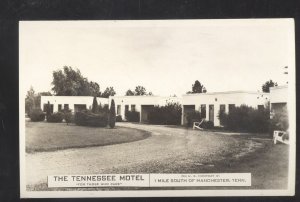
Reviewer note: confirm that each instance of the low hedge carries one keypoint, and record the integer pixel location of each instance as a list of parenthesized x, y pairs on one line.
[(84, 118), (193, 117), (207, 125), (36, 115), (246, 119), (69, 117), (119, 118), (56, 117), (166, 115)]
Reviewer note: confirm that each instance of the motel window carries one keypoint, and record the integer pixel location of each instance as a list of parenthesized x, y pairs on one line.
[(222, 108), (66, 106), (203, 111), (118, 109), (79, 107), (126, 108), (260, 107), (59, 107), (133, 108), (231, 107)]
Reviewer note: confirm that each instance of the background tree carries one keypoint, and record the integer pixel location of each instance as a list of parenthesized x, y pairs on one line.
[(94, 89), (33, 100), (109, 91), (70, 82), (112, 114), (140, 90), (266, 86), (197, 87), (30, 100), (129, 93), (95, 105)]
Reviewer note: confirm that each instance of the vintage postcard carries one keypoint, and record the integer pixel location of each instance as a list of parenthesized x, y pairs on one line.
[(143, 108)]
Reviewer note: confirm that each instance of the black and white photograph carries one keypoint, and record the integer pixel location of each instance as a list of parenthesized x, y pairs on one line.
[(120, 108)]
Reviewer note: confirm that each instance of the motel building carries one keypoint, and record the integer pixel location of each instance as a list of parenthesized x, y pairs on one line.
[(142, 104), (74, 103), (278, 99), (209, 104)]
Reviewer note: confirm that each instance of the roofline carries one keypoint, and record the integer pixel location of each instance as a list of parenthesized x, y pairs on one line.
[(278, 87), (226, 92), (70, 96), (140, 96)]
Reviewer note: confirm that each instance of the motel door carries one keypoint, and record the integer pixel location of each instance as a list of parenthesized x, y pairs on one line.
[(211, 113)]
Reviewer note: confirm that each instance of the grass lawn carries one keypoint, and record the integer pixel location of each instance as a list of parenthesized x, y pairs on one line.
[(43, 136)]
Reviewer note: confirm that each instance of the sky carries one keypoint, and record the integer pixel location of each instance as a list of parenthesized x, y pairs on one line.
[(164, 56)]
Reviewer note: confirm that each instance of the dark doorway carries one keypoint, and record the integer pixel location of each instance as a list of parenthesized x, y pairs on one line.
[(186, 110), (145, 109), (211, 113)]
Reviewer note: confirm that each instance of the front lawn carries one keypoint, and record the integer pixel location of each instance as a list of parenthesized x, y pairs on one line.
[(43, 136)]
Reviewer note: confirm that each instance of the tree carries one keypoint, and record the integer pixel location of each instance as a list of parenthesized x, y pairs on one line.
[(70, 82), (33, 100), (109, 91), (30, 100), (197, 87), (94, 89), (129, 93), (95, 105), (140, 90), (266, 86), (112, 114), (48, 110)]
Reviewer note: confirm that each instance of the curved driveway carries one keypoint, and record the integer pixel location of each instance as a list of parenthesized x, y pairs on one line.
[(167, 150)]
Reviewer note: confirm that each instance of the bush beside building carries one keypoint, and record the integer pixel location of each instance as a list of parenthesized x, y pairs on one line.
[(56, 117), (166, 115), (36, 115), (246, 119)]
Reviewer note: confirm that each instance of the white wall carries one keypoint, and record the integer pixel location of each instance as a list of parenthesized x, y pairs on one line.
[(138, 101), (279, 94), (236, 97), (71, 100)]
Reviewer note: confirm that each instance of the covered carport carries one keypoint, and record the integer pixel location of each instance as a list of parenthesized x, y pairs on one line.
[(145, 109), (186, 110)]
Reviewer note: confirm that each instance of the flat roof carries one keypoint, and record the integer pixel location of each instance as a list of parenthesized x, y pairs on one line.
[(279, 87), (226, 92)]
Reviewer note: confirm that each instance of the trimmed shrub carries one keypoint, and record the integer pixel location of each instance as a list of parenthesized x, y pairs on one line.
[(166, 115), (95, 107), (119, 118), (132, 116), (85, 118), (56, 117), (48, 109), (69, 117), (207, 125), (36, 115), (191, 117), (112, 114), (246, 119)]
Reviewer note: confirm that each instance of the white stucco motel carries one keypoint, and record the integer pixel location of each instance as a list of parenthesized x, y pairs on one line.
[(140, 104), (74, 103), (209, 104), (278, 98)]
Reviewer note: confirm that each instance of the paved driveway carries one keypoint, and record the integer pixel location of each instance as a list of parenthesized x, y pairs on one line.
[(176, 148)]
